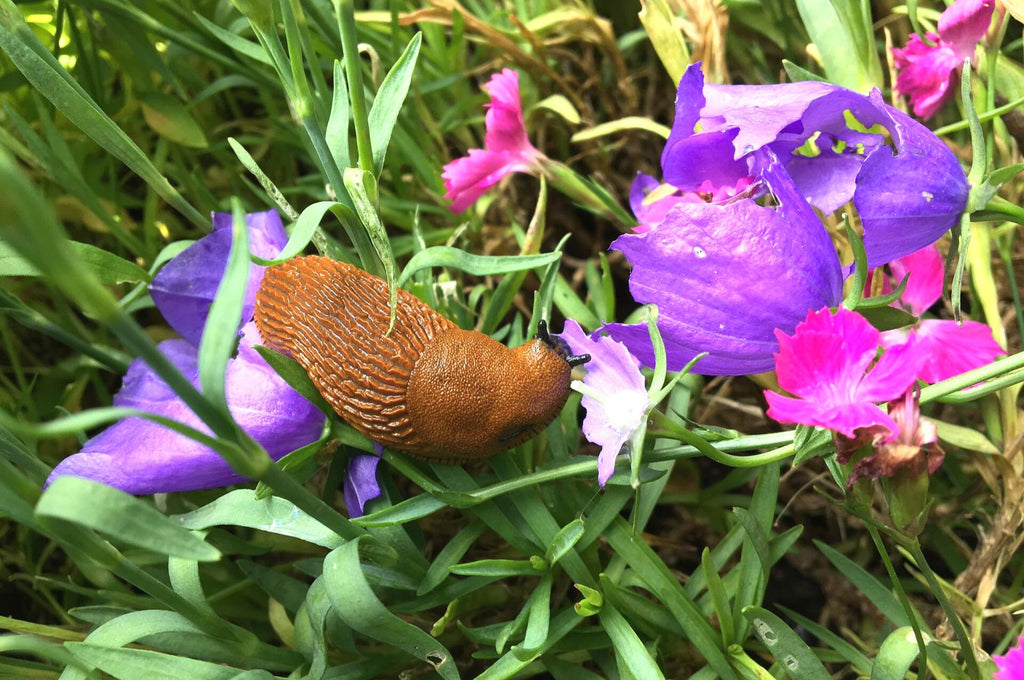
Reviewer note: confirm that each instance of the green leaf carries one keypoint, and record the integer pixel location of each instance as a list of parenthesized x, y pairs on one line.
[(785, 645), (336, 134), (628, 123), (451, 553), (659, 22), (249, 163), (409, 510), (496, 568), (388, 102), (874, 590), (851, 655), (131, 664), (842, 34), (362, 188), (560, 104), (170, 119), (564, 541), (798, 74), (292, 373), (719, 596), (355, 603), (478, 265), (629, 650), (964, 437), (812, 442), (48, 77), (220, 334), (274, 515), (896, 655), (113, 512), (108, 268)]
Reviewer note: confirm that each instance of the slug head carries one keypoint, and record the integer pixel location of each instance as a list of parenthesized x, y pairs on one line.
[(469, 396)]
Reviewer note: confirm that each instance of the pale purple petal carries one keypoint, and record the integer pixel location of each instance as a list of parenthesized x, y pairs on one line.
[(706, 267), (361, 485), (950, 349), (908, 200), (613, 374), (186, 286), (142, 457), (1011, 664)]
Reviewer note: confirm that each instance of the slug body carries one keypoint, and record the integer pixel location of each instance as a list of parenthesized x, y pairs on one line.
[(428, 388)]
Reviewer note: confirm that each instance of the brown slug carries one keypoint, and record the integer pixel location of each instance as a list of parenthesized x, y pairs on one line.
[(428, 388)]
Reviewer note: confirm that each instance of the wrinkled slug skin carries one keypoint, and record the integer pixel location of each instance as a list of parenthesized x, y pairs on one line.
[(428, 388)]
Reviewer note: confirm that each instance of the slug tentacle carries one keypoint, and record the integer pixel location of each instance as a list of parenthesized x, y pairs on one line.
[(428, 388)]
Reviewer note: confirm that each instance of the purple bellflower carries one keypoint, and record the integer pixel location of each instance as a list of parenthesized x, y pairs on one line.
[(1011, 664), (139, 456), (907, 195), (613, 392), (726, 275), (949, 347), (927, 74), (506, 147)]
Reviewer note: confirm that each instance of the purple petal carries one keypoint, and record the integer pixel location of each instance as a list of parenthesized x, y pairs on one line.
[(908, 200), (141, 457), (184, 289), (726, 276), (361, 485), (616, 400)]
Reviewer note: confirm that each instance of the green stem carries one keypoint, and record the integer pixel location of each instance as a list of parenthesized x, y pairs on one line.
[(998, 369), (966, 646), (354, 73), (904, 600), (998, 208), (672, 429)]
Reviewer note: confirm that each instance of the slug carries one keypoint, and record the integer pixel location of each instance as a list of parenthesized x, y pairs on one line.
[(429, 388)]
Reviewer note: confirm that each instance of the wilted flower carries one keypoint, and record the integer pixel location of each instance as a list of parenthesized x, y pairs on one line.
[(949, 347), (726, 275), (907, 195), (829, 363), (1011, 664), (506, 147), (140, 456), (613, 395), (927, 74)]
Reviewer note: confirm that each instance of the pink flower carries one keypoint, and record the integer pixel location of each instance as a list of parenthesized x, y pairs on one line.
[(949, 348), (506, 147), (928, 73), (1011, 664), (829, 363)]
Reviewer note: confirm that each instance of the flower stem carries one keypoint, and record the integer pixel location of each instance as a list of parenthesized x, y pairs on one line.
[(360, 119), (673, 430)]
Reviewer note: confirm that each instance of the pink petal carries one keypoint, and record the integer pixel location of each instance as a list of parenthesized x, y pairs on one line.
[(843, 418), (927, 273), (952, 349), (925, 74), (964, 23), (467, 178), (1011, 664), (896, 371), (504, 120)]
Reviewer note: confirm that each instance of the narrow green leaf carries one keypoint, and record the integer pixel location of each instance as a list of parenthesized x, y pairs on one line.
[(113, 512), (628, 123), (274, 515), (409, 510), (719, 596), (478, 265), (131, 664), (220, 334), (539, 620), (249, 163), (496, 568), (108, 268), (362, 188), (450, 554), (844, 41), (785, 645), (850, 654), (355, 604), (874, 590), (169, 118), (628, 648), (237, 43), (336, 134), (296, 377), (388, 102), (658, 20), (564, 541)]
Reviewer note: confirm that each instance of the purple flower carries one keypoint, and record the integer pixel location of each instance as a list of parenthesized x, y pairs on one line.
[(361, 481), (139, 456), (506, 147), (829, 363), (927, 74), (1011, 664), (613, 395), (726, 275), (184, 289), (907, 196), (949, 347)]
